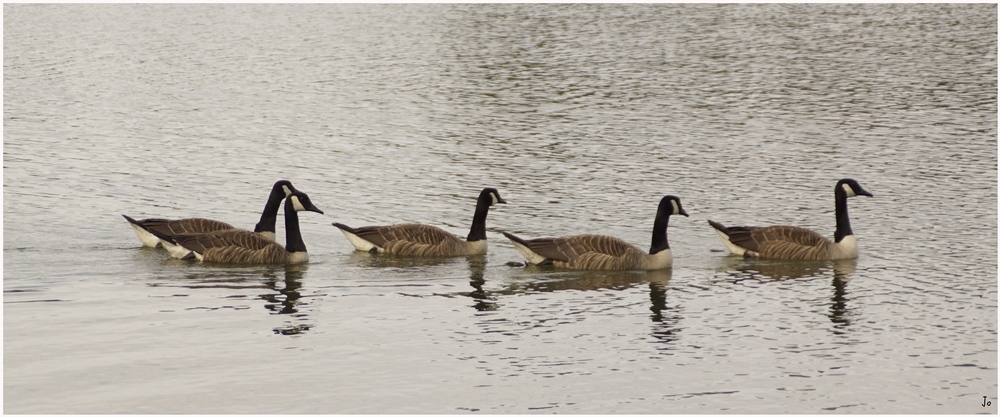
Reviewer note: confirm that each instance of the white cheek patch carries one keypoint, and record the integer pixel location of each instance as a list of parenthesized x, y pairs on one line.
[(850, 191), (495, 199), (287, 191), (297, 204), (677, 209)]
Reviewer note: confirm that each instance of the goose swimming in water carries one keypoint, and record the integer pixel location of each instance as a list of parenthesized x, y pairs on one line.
[(797, 243), (245, 247), (425, 240), (604, 252), (265, 227)]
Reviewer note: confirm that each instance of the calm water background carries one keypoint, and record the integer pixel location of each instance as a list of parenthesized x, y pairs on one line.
[(583, 116)]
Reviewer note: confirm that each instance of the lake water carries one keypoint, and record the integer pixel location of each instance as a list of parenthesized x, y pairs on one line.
[(583, 116)]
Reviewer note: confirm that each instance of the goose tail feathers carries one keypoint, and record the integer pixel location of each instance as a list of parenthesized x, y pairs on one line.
[(718, 226), (524, 247), (175, 249), (344, 227), (515, 239), (148, 239)]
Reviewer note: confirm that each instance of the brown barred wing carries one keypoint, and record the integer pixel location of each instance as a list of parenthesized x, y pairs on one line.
[(202, 242), (790, 243), (606, 262), (182, 226), (381, 235), (270, 254), (420, 240), (568, 249)]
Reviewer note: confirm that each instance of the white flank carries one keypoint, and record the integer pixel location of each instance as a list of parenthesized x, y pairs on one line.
[(531, 257), (298, 257), (177, 251), (148, 239), (266, 235), (735, 250), (359, 243)]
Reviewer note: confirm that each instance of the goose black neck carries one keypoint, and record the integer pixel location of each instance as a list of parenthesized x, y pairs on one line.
[(660, 234), (843, 222), (293, 236), (269, 217), (478, 230)]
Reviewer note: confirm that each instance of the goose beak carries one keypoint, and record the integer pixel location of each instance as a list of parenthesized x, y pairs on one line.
[(865, 193), (684, 213), (313, 208)]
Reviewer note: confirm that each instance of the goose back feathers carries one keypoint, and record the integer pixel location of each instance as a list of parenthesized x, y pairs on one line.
[(410, 240), (229, 246), (423, 240), (599, 252), (143, 228), (781, 242), (265, 227), (797, 243), (596, 252), (244, 247)]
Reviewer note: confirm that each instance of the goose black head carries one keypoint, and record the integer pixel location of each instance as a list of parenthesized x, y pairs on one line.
[(283, 189), (851, 188), (671, 205), (490, 196), (300, 202)]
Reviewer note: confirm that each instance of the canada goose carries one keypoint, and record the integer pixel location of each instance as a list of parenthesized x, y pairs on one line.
[(797, 243), (604, 252), (236, 246), (425, 240), (265, 227)]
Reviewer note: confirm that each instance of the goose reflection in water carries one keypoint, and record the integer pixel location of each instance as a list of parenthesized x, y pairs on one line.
[(561, 280), (839, 312), (484, 301), (567, 280), (665, 318), (840, 272), (287, 297), (285, 282), (378, 260)]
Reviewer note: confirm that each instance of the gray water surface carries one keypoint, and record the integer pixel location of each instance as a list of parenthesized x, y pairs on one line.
[(583, 116)]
